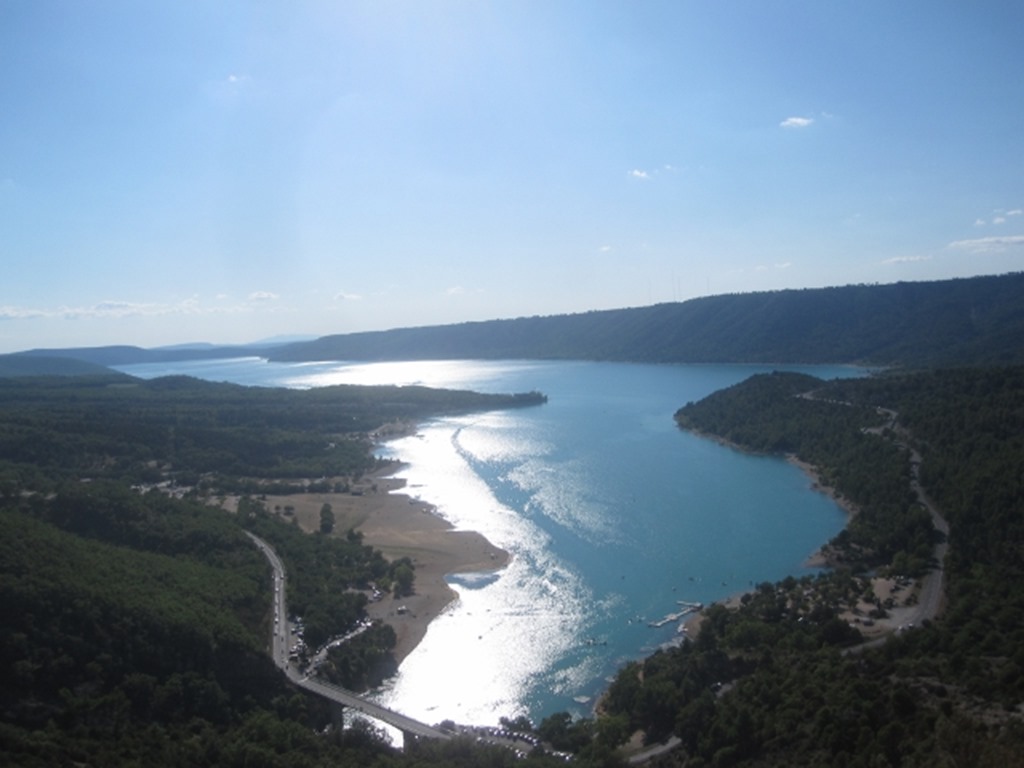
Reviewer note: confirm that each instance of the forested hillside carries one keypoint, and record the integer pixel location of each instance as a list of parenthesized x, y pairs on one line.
[(135, 633), (48, 365), (137, 613), (213, 436), (978, 320), (952, 322), (785, 679)]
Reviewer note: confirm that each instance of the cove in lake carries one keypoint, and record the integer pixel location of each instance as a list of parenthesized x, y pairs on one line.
[(611, 515)]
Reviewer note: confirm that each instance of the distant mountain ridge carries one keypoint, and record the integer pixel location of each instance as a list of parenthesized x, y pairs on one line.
[(123, 354), (976, 320), (967, 321), (42, 365)]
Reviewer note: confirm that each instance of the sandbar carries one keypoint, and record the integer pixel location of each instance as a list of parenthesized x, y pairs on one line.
[(400, 526)]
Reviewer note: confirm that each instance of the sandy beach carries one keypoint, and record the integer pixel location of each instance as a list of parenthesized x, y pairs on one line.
[(400, 526)]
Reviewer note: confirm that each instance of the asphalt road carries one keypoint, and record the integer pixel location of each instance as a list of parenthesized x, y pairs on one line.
[(279, 652)]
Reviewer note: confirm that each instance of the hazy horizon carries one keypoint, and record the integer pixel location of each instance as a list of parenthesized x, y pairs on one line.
[(182, 172)]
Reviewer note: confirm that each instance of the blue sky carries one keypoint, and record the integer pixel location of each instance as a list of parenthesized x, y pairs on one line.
[(230, 171)]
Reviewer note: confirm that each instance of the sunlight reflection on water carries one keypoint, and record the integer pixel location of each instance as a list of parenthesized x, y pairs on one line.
[(447, 374), (484, 656)]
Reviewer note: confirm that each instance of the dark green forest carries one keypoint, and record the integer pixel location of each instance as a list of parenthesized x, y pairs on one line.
[(217, 437)]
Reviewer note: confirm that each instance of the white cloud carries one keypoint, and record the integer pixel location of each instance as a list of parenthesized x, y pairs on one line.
[(999, 216), (112, 309), (605, 248), (988, 244), (906, 259), (237, 81), (796, 122), (20, 313), (343, 296), (263, 296), (119, 309), (455, 290), (104, 310), (642, 175), (767, 267), (226, 91)]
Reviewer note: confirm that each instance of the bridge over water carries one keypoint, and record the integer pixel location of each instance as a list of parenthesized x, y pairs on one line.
[(334, 693)]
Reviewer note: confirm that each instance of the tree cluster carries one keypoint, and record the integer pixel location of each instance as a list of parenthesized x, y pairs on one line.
[(217, 435)]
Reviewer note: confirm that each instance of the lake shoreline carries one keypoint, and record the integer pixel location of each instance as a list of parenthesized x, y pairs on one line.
[(399, 526), (823, 557), (598, 478)]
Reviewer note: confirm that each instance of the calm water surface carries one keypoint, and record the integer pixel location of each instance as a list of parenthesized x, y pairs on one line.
[(611, 515)]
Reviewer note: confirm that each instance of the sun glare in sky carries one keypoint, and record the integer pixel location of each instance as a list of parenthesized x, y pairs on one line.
[(228, 172)]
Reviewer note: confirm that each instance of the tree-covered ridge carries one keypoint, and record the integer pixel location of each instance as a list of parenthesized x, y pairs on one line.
[(978, 320), (55, 429), (971, 321), (329, 576), (969, 429), (781, 681), (48, 365), (112, 650)]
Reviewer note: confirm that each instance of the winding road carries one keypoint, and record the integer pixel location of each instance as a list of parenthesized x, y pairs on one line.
[(933, 584), (931, 596), (335, 693)]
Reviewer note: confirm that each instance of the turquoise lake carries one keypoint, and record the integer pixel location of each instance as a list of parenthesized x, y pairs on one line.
[(611, 515)]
